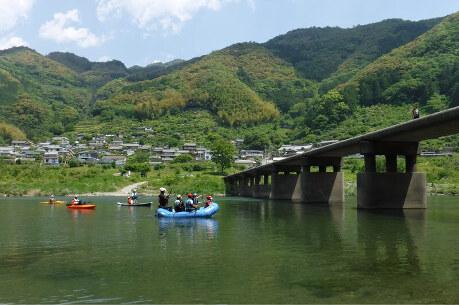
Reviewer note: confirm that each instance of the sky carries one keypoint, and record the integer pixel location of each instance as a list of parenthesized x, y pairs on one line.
[(141, 32)]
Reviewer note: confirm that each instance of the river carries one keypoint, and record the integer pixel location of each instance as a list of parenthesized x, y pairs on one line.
[(251, 251)]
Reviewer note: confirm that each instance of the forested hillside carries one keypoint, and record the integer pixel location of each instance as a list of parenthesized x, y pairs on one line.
[(304, 86)]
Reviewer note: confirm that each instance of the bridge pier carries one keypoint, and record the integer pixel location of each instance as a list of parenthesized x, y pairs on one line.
[(262, 190), (286, 185), (391, 189), (231, 187), (322, 186), (246, 188)]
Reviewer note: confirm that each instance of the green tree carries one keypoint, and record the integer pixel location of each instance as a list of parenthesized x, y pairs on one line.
[(256, 140), (437, 103), (182, 159), (222, 153)]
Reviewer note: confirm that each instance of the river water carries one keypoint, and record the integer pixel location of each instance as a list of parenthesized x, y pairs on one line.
[(251, 251)]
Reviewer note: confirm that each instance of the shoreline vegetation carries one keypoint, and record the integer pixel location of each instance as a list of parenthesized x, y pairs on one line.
[(36, 180)]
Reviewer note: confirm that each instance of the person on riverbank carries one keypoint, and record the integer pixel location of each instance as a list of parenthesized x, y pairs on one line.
[(208, 202), (189, 203), (179, 206), (164, 199), (51, 199), (415, 112)]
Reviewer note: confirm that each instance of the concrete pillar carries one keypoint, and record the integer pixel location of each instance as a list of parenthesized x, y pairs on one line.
[(391, 163), (370, 163), (322, 187), (285, 186), (265, 179), (246, 189), (411, 164), (262, 190), (391, 189)]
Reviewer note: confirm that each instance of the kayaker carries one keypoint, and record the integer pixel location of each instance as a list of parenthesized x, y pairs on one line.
[(208, 202), (189, 203), (178, 204), (134, 196), (129, 200), (75, 201), (164, 199), (51, 200)]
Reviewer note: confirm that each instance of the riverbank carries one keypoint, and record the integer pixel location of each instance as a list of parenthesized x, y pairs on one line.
[(30, 180), (38, 181), (125, 191)]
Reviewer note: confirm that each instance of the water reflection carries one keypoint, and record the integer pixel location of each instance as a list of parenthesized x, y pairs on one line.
[(391, 239), (207, 227), (76, 212)]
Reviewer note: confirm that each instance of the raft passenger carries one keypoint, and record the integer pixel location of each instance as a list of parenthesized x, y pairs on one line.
[(208, 202), (164, 199), (190, 205), (178, 204)]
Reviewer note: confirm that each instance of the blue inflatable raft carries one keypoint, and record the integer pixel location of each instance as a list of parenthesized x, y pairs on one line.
[(202, 212)]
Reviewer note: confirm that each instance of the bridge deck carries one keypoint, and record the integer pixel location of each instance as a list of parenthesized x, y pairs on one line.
[(433, 126)]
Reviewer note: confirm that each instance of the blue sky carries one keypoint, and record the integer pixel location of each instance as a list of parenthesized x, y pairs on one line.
[(140, 32)]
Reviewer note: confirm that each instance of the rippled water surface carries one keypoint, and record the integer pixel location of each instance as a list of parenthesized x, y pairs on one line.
[(251, 251)]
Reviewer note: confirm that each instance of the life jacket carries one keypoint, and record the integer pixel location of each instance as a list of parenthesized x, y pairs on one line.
[(51, 199), (73, 201), (208, 203), (129, 201)]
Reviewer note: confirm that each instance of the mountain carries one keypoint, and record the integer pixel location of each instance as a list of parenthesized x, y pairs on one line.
[(424, 71), (303, 86), (96, 74), (39, 92), (336, 53)]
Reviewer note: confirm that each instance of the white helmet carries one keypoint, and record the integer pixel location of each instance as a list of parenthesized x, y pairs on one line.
[(162, 189)]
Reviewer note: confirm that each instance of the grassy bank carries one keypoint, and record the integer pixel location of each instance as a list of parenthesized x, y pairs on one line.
[(202, 178), (41, 180)]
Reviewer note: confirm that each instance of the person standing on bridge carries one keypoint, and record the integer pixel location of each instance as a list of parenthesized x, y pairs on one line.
[(415, 112)]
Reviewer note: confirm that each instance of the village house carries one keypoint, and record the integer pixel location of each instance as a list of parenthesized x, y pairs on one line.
[(192, 147), (109, 159), (290, 150), (250, 154), (51, 158), (88, 155)]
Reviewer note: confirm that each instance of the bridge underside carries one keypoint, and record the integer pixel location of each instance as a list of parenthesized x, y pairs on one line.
[(375, 190)]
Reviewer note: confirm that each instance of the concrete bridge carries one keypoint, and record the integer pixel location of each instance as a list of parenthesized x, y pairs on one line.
[(292, 178)]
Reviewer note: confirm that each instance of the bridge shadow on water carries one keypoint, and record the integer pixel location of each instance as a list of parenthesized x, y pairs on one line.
[(391, 239)]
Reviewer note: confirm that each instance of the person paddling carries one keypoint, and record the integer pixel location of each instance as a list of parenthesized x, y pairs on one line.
[(190, 205), (51, 200), (208, 202), (75, 201), (164, 200)]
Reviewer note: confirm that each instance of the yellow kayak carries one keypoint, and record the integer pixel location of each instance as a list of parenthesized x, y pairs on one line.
[(54, 202)]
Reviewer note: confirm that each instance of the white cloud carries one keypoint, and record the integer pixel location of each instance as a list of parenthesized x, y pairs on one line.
[(11, 11), (59, 30), (167, 15), (9, 42), (104, 59)]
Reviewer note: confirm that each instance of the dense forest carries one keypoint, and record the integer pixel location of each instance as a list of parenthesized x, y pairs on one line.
[(302, 87)]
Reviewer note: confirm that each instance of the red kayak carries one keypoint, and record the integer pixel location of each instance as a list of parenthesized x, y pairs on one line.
[(81, 206)]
